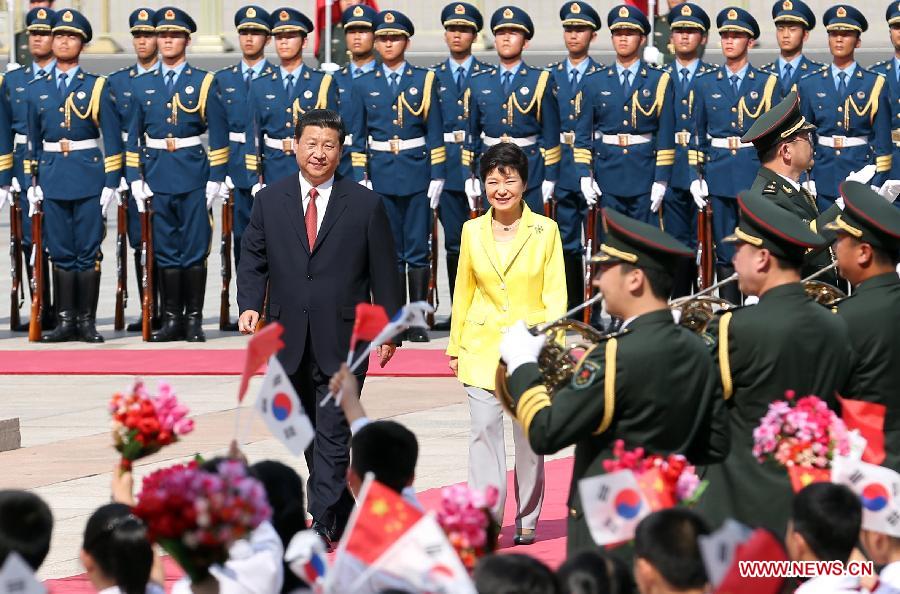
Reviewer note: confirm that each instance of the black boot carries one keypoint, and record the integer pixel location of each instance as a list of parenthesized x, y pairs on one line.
[(88, 291), (573, 262), (173, 308), (159, 288), (730, 291), (452, 265), (65, 297), (418, 291), (194, 289), (138, 326), (51, 307)]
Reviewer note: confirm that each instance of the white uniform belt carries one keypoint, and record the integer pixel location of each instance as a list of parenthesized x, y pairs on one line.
[(395, 145), (623, 139), (521, 141), (348, 139), (65, 146), (840, 142), (456, 137), (171, 144), (238, 137), (279, 144), (732, 143), (20, 139)]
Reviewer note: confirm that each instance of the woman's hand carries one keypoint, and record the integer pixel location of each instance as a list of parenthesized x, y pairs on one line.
[(454, 365), (122, 486)]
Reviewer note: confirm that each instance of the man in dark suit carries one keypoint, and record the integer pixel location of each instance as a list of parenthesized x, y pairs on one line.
[(321, 245)]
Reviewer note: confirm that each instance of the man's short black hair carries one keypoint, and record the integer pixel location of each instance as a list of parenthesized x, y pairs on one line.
[(661, 281), (514, 574), (321, 118), (592, 572), (828, 516), (668, 540), (26, 525), (388, 450), (504, 157)]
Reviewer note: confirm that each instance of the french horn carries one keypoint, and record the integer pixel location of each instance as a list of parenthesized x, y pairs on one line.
[(698, 309), (822, 293)]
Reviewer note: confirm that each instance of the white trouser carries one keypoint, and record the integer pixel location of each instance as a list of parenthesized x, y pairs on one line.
[(487, 459)]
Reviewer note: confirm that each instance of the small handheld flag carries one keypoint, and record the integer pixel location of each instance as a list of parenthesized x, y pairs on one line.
[(613, 505), (281, 410), (263, 345)]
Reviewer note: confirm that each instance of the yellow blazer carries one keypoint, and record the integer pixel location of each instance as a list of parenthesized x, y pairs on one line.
[(489, 297)]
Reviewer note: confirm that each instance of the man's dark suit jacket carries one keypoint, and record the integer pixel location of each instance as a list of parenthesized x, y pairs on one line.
[(353, 260)]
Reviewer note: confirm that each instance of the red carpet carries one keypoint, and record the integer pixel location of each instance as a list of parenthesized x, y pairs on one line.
[(407, 362), (550, 546)]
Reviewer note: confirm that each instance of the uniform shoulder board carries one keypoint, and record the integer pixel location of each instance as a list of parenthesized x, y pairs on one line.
[(706, 72), (438, 66), (480, 72), (879, 64), (769, 66), (146, 73), (122, 69), (771, 188), (226, 69)]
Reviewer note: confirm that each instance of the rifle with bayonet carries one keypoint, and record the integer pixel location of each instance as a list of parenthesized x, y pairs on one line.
[(37, 256), (121, 261), (225, 253), (148, 298), (16, 290)]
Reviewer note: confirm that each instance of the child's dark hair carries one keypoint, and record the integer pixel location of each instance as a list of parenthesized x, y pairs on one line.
[(514, 574), (668, 540), (388, 450), (828, 516), (117, 541), (593, 572), (26, 525)]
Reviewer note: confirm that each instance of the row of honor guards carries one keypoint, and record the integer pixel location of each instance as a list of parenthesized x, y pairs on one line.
[(663, 145)]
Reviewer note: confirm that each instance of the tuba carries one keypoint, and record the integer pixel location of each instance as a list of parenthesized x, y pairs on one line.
[(558, 359)]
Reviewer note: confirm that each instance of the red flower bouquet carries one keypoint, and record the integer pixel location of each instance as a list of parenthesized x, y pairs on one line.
[(665, 481), (142, 423), (466, 519), (196, 515)]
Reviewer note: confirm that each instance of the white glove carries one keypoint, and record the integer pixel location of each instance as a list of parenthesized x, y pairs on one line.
[(889, 190), (35, 196), (434, 192), (699, 192), (15, 185), (653, 56), (840, 202), (121, 189), (810, 186), (366, 183), (657, 193), (213, 191), (862, 176), (106, 198), (519, 346), (256, 188), (472, 188), (229, 183), (5, 196), (590, 190), (140, 191), (547, 190)]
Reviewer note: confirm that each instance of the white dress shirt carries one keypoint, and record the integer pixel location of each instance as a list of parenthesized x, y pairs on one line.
[(321, 200)]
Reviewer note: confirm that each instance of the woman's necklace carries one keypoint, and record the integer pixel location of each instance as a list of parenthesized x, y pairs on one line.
[(506, 227)]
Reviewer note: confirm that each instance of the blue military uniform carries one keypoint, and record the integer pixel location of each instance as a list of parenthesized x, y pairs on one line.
[(231, 86), (852, 115), (792, 12), (680, 215), (278, 99), (891, 71), (633, 127), (6, 139), (355, 17), (523, 111), (452, 84), (67, 112), (398, 135), (723, 115), (170, 110)]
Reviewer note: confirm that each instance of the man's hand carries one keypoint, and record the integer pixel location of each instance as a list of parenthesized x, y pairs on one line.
[(344, 383), (434, 192), (520, 346), (106, 198), (248, 321), (547, 188), (385, 352), (590, 190), (657, 194), (699, 192), (454, 365), (473, 191)]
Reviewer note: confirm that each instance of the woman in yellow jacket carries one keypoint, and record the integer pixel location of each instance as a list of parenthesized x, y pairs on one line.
[(510, 268)]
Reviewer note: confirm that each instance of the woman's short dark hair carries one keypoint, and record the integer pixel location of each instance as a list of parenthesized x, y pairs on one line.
[(26, 525), (504, 157), (594, 572), (514, 574), (321, 118), (117, 541)]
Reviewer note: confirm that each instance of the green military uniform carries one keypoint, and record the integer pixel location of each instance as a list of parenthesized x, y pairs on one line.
[(23, 56), (339, 53), (872, 312), (785, 342), (652, 385)]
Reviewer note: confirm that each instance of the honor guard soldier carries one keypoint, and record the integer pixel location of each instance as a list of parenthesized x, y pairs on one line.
[(849, 106), (793, 22), (514, 102), (891, 71), (576, 190), (867, 249), (231, 86), (68, 109), (462, 22), (38, 23), (398, 133), (281, 94), (166, 160), (633, 122), (359, 23), (727, 101), (143, 36), (787, 341), (675, 406), (6, 148), (689, 24)]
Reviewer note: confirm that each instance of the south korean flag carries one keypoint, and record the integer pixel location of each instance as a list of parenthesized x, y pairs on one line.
[(280, 408)]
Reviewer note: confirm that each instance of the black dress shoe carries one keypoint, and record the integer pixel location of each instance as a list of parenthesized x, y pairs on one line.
[(229, 327), (325, 534), (442, 326), (137, 326), (417, 335)]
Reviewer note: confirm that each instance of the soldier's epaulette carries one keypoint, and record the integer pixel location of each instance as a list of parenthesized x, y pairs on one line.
[(615, 334), (879, 64), (699, 74), (228, 68), (122, 69), (439, 66), (485, 71), (771, 188), (154, 71), (768, 67)]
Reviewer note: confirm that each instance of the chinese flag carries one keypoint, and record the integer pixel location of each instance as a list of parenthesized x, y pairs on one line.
[(370, 319), (263, 345), (383, 516), (653, 486), (805, 475), (868, 418), (761, 546)]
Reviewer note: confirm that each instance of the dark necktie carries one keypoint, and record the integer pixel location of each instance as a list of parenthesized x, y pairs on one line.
[(626, 84), (248, 76), (460, 78), (41, 73), (311, 217), (842, 85), (734, 84), (573, 77), (357, 72), (170, 82), (393, 84), (685, 81), (507, 82), (786, 78), (62, 84), (289, 87)]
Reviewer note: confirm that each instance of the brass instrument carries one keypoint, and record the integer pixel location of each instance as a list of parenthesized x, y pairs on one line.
[(820, 292), (557, 360), (697, 310)]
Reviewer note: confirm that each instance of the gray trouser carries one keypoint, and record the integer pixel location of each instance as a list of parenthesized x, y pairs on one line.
[(487, 459)]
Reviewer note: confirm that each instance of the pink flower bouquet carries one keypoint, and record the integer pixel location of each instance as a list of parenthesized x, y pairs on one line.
[(466, 518), (666, 481)]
